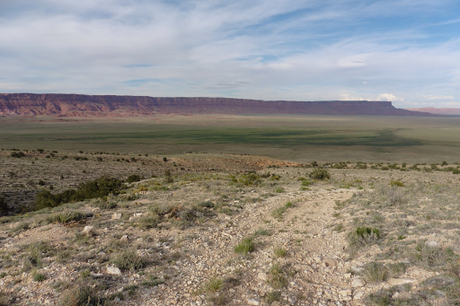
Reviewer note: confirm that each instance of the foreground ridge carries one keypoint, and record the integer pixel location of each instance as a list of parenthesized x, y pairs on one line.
[(76, 105), (267, 233)]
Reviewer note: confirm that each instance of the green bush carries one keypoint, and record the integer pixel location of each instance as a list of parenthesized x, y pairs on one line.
[(100, 187), (38, 277), (133, 178), (361, 237), (17, 154), (278, 213), (375, 272), (250, 179), (3, 206), (320, 174), (245, 246), (68, 217), (82, 296), (397, 183), (127, 260), (279, 251), (276, 278)]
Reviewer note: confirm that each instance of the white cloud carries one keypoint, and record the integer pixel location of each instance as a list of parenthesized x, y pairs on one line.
[(388, 97), (433, 97)]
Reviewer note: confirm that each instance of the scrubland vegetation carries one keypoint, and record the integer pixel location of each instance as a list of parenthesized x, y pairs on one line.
[(120, 237)]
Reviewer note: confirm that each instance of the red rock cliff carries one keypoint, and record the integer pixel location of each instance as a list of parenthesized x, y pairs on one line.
[(73, 105)]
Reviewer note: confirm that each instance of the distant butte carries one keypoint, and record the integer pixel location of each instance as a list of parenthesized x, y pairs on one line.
[(75, 105)]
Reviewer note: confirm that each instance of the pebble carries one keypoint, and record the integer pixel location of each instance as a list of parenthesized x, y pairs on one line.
[(329, 262), (113, 270), (262, 276), (431, 244), (357, 282), (252, 301), (88, 230)]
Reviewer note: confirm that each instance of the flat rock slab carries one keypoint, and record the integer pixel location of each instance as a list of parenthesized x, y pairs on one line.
[(357, 282), (399, 281), (113, 270)]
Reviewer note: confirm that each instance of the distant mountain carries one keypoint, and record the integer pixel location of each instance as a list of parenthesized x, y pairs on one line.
[(438, 111), (74, 105)]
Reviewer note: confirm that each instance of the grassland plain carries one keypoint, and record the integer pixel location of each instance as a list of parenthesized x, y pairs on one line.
[(296, 138), (281, 234)]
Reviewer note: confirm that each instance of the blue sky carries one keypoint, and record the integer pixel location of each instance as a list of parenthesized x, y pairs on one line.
[(406, 51)]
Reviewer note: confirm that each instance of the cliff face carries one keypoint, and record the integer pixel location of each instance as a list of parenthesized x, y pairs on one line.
[(73, 105)]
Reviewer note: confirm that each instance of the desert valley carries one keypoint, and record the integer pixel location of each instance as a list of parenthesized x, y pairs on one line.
[(124, 200)]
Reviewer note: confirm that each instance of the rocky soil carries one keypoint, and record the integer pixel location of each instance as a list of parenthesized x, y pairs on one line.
[(227, 237)]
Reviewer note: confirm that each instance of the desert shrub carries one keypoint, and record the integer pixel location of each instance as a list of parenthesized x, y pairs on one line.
[(23, 226), (431, 256), (100, 187), (152, 281), (320, 174), (395, 195), (397, 269), (213, 285), (273, 296), (133, 178), (207, 204), (148, 221), (250, 179), (262, 232), (127, 260), (279, 251), (3, 206), (168, 177), (397, 183), (4, 300), (245, 246), (278, 213), (67, 217), (34, 253), (340, 165), (104, 203), (361, 237), (162, 209), (276, 277), (82, 296), (17, 154), (375, 272), (456, 171), (38, 277)]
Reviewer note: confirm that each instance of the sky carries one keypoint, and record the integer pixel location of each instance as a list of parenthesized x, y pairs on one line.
[(405, 51)]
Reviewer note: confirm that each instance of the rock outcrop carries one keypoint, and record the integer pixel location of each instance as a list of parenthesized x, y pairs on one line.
[(74, 105)]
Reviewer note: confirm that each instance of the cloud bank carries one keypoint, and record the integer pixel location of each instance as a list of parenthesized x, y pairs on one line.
[(404, 51)]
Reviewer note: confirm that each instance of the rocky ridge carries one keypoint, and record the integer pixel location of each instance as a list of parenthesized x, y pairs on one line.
[(300, 254), (75, 105)]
